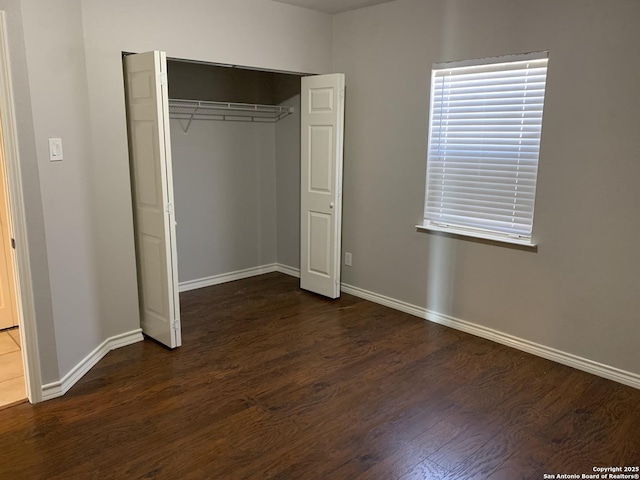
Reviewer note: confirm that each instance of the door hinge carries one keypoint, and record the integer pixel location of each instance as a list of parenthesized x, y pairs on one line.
[(341, 93), (169, 208), (162, 76), (13, 243)]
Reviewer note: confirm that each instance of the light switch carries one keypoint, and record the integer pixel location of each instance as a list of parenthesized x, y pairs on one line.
[(55, 149)]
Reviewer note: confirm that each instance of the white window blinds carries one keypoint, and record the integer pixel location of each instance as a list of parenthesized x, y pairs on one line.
[(484, 142)]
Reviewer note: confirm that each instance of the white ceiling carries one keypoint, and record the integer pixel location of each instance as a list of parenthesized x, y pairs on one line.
[(333, 6)]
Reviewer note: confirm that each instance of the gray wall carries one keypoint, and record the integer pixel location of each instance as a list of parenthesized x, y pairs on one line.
[(225, 193), (57, 82), (288, 178), (579, 292), (45, 326), (199, 81), (47, 60), (228, 208)]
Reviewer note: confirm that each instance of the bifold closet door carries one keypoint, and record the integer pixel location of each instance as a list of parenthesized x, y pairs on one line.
[(322, 133), (152, 184)]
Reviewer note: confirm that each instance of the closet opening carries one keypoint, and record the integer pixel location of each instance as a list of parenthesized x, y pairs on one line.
[(235, 172), (235, 147)]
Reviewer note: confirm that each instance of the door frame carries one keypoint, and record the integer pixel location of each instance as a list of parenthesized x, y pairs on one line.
[(18, 225)]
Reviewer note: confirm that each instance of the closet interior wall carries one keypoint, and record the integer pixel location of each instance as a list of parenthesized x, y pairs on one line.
[(236, 183)]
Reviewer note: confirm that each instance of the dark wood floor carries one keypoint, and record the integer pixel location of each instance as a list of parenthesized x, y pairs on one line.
[(274, 382)]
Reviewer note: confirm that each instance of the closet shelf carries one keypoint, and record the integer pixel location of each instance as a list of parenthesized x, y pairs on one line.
[(237, 112)]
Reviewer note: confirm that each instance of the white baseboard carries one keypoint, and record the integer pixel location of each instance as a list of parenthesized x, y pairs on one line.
[(287, 270), (227, 277), (59, 388), (580, 363)]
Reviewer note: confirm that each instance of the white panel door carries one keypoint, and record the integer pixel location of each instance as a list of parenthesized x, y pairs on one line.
[(152, 184), (322, 132)]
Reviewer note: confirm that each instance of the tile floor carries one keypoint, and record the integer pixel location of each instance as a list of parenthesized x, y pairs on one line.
[(12, 388)]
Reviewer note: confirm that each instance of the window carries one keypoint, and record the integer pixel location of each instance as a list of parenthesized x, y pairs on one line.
[(484, 141)]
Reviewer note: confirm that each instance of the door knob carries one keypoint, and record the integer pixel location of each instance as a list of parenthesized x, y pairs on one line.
[(331, 205)]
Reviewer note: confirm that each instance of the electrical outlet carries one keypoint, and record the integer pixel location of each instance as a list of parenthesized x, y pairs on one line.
[(348, 258)]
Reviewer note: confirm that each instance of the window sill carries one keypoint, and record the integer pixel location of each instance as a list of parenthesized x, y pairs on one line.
[(477, 234)]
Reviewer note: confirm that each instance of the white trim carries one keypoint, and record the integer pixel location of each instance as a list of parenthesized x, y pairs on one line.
[(237, 275), (18, 226), (59, 388), (477, 233), (287, 270), (226, 277), (580, 363)]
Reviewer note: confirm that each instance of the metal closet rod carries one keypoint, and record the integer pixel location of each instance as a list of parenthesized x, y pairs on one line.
[(226, 111)]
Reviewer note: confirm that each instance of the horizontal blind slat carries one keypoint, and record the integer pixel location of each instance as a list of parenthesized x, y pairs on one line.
[(485, 213), (452, 155), (515, 211), (508, 195), (495, 70), (476, 222), (473, 129), (499, 111), (479, 136)]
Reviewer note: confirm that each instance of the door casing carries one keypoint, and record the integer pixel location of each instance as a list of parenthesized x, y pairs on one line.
[(18, 225)]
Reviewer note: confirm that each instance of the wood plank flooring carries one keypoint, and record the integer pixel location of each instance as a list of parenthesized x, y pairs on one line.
[(276, 383)]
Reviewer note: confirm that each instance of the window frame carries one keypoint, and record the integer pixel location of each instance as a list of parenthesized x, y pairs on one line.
[(466, 230)]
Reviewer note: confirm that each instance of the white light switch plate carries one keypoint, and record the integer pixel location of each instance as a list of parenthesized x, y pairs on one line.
[(55, 149)]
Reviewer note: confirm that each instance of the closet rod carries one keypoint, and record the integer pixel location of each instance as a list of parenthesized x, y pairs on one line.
[(225, 111)]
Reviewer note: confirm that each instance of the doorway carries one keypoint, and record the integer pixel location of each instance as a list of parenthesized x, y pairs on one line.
[(12, 384), (20, 341)]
